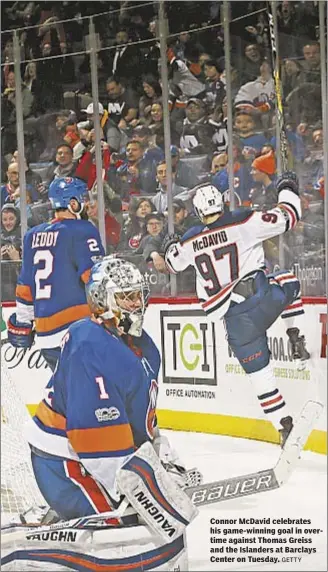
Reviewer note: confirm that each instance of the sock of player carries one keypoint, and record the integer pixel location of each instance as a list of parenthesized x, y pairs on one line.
[(294, 316), (269, 396)]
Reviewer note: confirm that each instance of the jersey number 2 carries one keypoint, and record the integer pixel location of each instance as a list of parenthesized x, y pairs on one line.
[(206, 269), (45, 256)]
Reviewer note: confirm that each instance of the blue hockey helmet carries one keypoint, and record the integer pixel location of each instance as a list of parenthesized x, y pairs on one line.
[(64, 189)]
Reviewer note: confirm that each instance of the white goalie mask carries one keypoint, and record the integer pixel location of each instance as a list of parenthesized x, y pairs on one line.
[(117, 289), (207, 201)]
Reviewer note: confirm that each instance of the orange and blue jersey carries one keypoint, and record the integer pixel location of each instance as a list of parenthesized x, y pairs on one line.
[(57, 257), (100, 402)]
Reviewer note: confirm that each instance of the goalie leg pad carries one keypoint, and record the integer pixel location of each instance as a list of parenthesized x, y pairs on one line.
[(107, 549), (155, 496)]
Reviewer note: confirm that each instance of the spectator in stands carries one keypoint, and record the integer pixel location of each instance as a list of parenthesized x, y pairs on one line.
[(9, 99), (152, 155), (63, 165), (297, 149), (156, 125), (33, 84), (11, 241), (250, 65), (182, 77), (160, 199), (122, 107), (33, 180), (242, 179), (10, 192), (143, 134), (196, 136), (312, 62), (140, 167), (214, 87), (287, 28), (313, 163), (250, 140), (122, 102), (66, 126), (105, 123), (257, 97), (264, 195), (304, 106), (218, 120), (135, 229), (11, 250), (292, 75), (183, 220), (126, 62), (154, 223), (184, 174), (219, 162), (86, 168), (152, 92)]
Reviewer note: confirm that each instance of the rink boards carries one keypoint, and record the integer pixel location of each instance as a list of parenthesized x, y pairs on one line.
[(201, 385)]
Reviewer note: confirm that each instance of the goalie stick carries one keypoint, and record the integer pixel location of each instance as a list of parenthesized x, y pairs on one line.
[(208, 493), (278, 90)]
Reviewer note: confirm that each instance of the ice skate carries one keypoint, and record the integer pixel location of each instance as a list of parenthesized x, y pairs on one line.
[(299, 351)]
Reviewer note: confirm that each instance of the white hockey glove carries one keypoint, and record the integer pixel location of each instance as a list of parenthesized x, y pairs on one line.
[(173, 465)]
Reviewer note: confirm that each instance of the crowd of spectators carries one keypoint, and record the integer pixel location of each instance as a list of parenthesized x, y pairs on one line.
[(59, 114)]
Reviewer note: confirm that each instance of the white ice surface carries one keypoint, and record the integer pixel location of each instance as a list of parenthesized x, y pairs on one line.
[(303, 496)]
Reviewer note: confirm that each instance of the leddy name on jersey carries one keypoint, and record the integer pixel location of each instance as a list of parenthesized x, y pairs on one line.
[(44, 239)]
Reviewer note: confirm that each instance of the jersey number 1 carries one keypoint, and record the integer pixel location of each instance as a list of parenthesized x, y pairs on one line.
[(102, 391)]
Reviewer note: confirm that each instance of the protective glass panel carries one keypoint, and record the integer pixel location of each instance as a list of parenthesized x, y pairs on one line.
[(57, 102)]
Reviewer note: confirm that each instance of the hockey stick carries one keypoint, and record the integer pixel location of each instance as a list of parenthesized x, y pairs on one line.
[(269, 479), (208, 493), (278, 90)]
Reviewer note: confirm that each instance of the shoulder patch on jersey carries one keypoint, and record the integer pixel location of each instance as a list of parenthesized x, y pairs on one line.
[(193, 231)]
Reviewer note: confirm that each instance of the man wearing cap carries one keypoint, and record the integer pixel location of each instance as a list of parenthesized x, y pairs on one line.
[(196, 136), (264, 195), (103, 117), (183, 220)]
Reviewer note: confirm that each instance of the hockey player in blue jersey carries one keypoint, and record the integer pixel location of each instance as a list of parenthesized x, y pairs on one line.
[(57, 257), (227, 254), (103, 403)]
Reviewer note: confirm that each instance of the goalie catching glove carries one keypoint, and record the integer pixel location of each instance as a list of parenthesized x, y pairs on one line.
[(172, 464), (20, 335)]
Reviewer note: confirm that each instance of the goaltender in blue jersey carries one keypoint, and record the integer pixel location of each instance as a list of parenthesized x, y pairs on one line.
[(100, 404), (57, 257)]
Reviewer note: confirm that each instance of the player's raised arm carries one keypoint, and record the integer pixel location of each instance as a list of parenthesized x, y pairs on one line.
[(285, 215)]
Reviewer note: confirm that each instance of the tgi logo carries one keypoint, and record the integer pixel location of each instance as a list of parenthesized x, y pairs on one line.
[(188, 348)]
